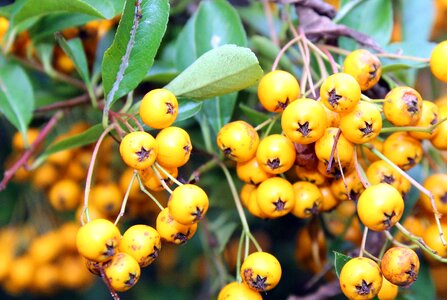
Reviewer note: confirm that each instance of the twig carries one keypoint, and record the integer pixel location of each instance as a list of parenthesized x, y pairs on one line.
[(56, 75), (79, 100), (9, 174), (107, 282), (283, 50), (417, 185)]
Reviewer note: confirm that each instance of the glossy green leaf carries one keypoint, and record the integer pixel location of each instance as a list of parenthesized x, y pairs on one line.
[(187, 109), (417, 26), (220, 71), (29, 9), (186, 52), (87, 137), (217, 23), (136, 42), (219, 110), (374, 18), (50, 24), (339, 261), (16, 96), (161, 73), (222, 227), (75, 51)]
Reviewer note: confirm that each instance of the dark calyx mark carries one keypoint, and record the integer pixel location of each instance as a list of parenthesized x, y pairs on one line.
[(170, 108), (353, 195), (411, 101), (411, 161), (388, 179), (304, 128), (367, 130), (143, 154), (227, 151), (282, 105), (182, 237), (411, 273), (187, 149), (154, 254), (333, 98), (364, 288), (258, 284), (132, 279), (279, 205), (443, 198), (274, 163), (435, 119), (313, 210), (198, 214), (373, 73), (388, 218), (110, 250)]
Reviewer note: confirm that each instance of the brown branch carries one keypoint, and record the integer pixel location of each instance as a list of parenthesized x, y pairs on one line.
[(107, 282), (79, 100), (9, 173), (56, 75)]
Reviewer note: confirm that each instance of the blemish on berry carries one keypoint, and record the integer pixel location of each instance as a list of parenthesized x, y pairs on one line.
[(364, 288), (143, 154), (411, 273), (304, 128), (411, 101), (333, 98)]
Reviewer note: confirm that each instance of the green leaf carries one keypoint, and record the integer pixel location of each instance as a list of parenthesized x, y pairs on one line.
[(339, 261), (29, 9), (220, 71), (186, 52), (87, 137), (75, 51), (45, 53), (218, 110), (374, 18), (217, 23), (223, 228), (161, 73), (417, 26), (50, 24), (187, 109), (254, 15), (16, 96), (136, 42)]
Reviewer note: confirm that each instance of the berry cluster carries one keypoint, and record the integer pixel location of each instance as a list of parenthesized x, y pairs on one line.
[(155, 162)]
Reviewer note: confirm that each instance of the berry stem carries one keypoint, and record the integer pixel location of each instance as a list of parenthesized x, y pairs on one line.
[(389, 236), (272, 123), (331, 158), (239, 207), (428, 129), (126, 196), (263, 124), (371, 256), (418, 186), (162, 181), (420, 242), (359, 170), (362, 246), (159, 167), (195, 175), (239, 257), (88, 181), (283, 50), (405, 57), (144, 190)]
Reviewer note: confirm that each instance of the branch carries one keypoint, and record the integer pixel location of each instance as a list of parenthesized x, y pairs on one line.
[(79, 100), (9, 174)]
